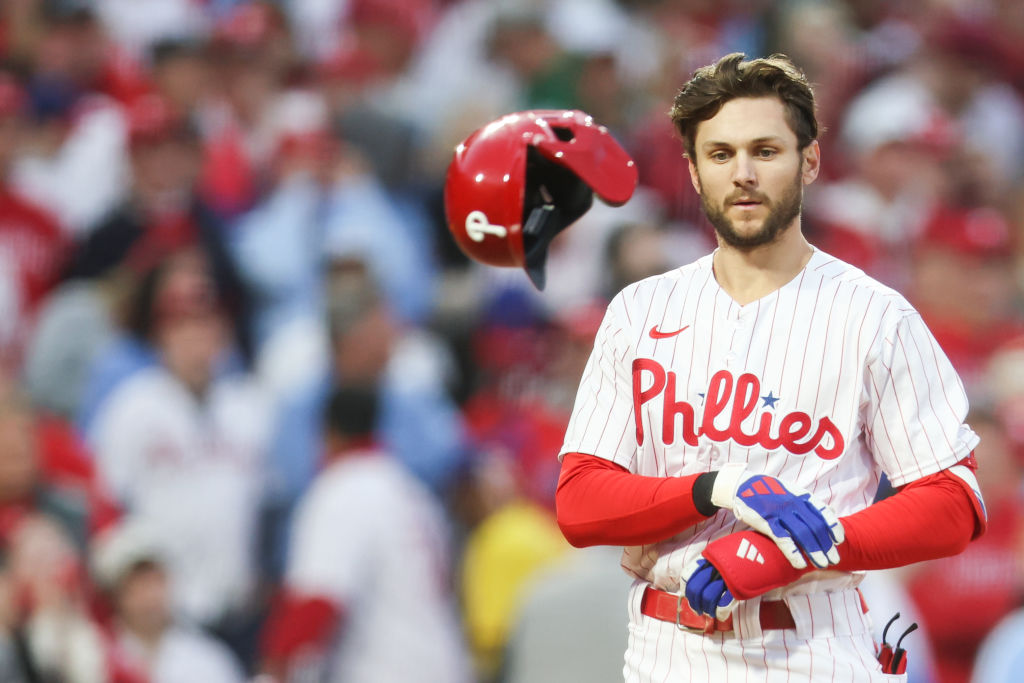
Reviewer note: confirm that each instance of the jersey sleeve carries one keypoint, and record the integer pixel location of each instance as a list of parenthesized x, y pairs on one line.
[(602, 422), (332, 542), (915, 404)]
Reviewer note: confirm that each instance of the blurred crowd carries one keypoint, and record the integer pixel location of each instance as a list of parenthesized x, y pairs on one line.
[(260, 417)]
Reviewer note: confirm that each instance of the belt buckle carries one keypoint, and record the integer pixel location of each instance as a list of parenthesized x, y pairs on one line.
[(709, 622)]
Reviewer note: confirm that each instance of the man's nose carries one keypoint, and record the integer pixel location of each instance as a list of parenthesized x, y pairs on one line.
[(744, 174)]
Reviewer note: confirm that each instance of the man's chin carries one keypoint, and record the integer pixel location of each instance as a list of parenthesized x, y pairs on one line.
[(745, 237)]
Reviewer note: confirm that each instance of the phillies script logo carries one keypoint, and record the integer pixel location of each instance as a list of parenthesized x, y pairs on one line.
[(792, 433)]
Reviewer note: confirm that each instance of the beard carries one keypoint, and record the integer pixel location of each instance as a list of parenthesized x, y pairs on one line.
[(780, 214)]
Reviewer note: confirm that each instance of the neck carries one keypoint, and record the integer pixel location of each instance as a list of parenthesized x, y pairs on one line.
[(749, 274), (344, 447), (148, 635)]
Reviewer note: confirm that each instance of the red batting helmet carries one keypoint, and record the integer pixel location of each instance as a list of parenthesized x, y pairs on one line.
[(517, 182)]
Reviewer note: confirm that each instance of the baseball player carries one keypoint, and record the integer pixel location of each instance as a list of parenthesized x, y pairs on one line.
[(737, 413), (366, 589)]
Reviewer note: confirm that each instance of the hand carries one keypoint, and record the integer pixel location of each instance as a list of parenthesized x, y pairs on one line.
[(750, 564), (706, 591), (797, 522)]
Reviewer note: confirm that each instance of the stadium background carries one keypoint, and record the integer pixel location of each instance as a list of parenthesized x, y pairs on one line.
[(252, 191)]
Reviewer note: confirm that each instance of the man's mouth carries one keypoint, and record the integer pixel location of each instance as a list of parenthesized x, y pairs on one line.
[(746, 202)]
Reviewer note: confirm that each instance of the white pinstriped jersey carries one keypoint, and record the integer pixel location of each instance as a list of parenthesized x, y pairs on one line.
[(825, 383)]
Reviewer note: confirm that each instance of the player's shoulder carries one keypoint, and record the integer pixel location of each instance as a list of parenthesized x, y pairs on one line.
[(876, 297)]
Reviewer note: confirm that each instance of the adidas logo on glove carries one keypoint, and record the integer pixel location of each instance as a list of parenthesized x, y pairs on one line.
[(749, 551)]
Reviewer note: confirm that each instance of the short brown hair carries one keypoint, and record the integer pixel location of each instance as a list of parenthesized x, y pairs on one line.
[(730, 78)]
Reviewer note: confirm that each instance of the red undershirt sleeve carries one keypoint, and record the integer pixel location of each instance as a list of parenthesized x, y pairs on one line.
[(298, 623), (935, 516), (932, 517), (600, 503)]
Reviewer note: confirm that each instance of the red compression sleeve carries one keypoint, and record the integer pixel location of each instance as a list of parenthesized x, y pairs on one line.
[(932, 517), (296, 623), (600, 503)]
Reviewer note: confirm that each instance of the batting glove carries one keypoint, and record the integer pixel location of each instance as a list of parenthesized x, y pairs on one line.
[(797, 522), (750, 564), (706, 591)]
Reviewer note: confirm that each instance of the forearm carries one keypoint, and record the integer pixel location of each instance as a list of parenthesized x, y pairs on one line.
[(931, 518), (297, 624), (599, 503), (927, 520)]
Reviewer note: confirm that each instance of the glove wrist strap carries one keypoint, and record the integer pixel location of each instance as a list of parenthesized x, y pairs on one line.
[(726, 484)]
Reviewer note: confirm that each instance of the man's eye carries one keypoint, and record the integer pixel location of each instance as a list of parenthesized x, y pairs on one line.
[(766, 153), (719, 156)]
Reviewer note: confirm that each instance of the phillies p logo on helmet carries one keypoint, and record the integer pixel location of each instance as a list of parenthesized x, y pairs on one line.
[(517, 182)]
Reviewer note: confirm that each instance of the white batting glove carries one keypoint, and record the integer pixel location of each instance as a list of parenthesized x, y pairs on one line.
[(797, 522)]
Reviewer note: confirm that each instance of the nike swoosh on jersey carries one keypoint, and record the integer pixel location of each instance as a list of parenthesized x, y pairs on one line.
[(658, 334)]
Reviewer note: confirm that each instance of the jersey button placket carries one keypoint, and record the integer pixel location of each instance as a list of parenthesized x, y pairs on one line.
[(735, 337), (741, 337)]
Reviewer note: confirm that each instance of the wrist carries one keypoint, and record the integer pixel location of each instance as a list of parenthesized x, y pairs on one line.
[(726, 483), (702, 488)]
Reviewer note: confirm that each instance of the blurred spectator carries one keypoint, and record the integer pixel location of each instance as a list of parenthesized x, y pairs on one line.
[(363, 341), (1001, 654), (895, 150), (1004, 391), (163, 211), (183, 447), (509, 414), (453, 87), (253, 61), (551, 75), (943, 125), (369, 346), (323, 202), (137, 26), (163, 214), (963, 284), (960, 598), (13, 663), (513, 540), (822, 38), (569, 627), (32, 248), (632, 253), (301, 147), (43, 470), (278, 244), (361, 222), (74, 162), (584, 262), (62, 641), (367, 586), (182, 75), (148, 644)]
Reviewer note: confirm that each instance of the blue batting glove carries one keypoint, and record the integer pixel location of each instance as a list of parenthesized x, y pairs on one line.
[(706, 591), (798, 523)]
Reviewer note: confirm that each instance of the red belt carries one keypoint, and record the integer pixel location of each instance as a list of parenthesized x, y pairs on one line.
[(676, 610)]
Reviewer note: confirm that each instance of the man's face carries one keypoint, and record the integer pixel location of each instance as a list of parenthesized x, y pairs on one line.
[(749, 172)]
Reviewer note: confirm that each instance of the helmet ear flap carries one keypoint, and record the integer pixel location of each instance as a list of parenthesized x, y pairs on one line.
[(555, 198)]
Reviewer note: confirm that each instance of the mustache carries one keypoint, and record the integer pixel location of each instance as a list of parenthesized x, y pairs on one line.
[(746, 196)]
